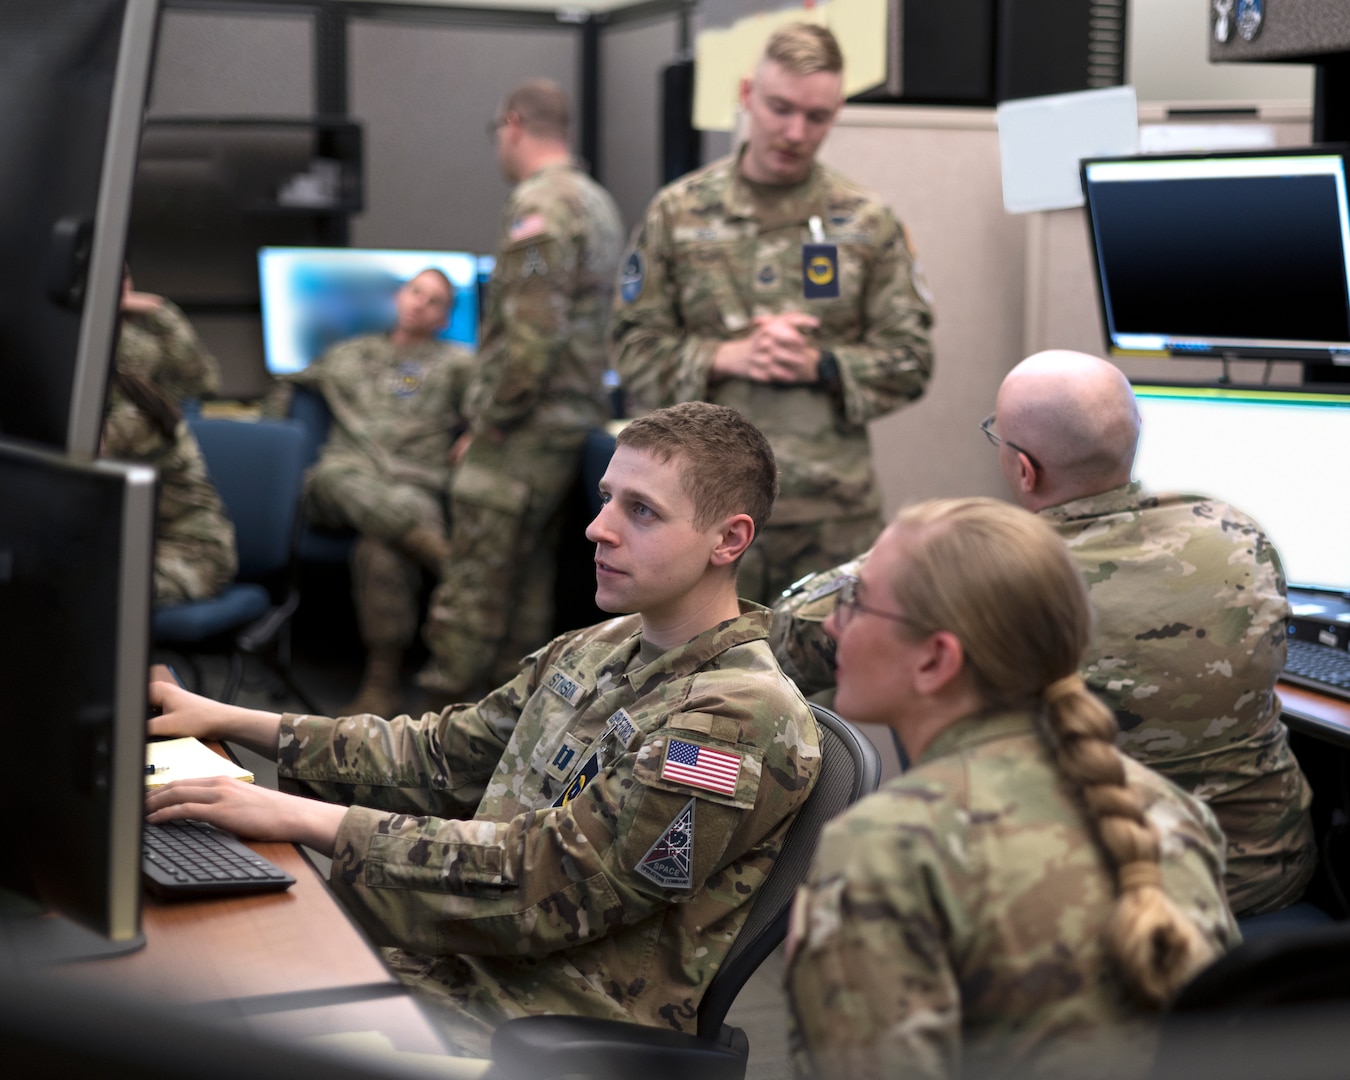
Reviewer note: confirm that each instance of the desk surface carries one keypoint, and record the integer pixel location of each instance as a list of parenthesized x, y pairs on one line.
[(1315, 714)]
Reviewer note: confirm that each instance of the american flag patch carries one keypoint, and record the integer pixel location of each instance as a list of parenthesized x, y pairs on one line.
[(529, 225), (701, 766)]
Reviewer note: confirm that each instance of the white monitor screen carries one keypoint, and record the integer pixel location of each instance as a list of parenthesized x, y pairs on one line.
[(313, 298), (1225, 255), (1274, 454)]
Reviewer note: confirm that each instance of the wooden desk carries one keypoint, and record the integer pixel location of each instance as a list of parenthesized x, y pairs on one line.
[(1322, 717)]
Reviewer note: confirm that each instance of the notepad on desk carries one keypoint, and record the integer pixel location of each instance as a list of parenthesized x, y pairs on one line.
[(187, 759)]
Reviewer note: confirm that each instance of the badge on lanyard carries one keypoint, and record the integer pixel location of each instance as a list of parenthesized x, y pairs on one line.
[(820, 271)]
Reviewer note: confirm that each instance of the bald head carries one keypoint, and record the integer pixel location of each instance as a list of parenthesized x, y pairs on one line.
[(1077, 416)]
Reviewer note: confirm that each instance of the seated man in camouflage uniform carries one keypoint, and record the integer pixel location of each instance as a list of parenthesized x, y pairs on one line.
[(160, 361), (1191, 616), (397, 401), (627, 792)]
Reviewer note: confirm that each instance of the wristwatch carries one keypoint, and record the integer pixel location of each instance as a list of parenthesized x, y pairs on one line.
[(827, 371)]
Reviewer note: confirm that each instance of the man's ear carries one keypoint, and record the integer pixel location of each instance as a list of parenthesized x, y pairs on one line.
[(1027, 476), (942, 660), (746, 84), (736, 533)]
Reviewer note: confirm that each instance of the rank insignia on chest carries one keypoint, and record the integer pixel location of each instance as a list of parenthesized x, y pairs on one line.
[(820, 271), (406, 381), (701, 766), (767, 277), (670, 861)]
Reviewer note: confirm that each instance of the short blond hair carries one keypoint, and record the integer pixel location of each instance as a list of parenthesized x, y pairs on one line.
[(804, 49), (542, 107)]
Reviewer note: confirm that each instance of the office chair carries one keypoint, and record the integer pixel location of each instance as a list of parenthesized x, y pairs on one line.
[(541, 1047), (317, 544), (1263, 1010), (257, 467)]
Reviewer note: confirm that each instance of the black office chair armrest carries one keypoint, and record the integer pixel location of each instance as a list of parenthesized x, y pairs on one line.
[(541, 1047)]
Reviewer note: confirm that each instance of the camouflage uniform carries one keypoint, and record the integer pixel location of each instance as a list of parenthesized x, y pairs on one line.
[(537, 391), (386, 464), (585, 882), (195, 554), (716, 251), (1191, 624), (954, 920), (162, 346)]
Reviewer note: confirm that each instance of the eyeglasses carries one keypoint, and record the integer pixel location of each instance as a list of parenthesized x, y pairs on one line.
[(987, 426), (846, 604)]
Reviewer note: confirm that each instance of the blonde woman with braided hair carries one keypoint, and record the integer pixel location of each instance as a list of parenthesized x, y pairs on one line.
[(1025, 898)]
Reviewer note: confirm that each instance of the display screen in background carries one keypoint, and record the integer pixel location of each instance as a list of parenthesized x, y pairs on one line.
[(1274, 454), (313, 298)]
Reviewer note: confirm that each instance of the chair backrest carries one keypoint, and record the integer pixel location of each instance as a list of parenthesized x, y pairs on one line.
[(849, 769), (258, 468), (1292, 968), (310, 409)]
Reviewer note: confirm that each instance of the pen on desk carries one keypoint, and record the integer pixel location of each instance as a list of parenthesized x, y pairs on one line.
[(151, 769)]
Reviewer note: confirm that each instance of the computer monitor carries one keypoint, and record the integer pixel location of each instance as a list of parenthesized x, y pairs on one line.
[(76, 551), (1271, 453), (1231, 256), (315, 297), (73, 82)]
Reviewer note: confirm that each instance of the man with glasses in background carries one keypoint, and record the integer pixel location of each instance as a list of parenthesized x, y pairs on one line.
[(768, 282), (1191, 616), (538, 389)]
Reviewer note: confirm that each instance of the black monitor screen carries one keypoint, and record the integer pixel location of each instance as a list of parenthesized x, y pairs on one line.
[(76, 545), (73, 77), (1265, 450), (1240, 255)]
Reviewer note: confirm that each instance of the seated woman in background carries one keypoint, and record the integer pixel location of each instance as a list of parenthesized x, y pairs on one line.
[(1025, 897)]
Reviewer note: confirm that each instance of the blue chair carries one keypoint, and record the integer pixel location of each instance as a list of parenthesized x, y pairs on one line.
[(544, 1047), (257, 467), (317, 545)]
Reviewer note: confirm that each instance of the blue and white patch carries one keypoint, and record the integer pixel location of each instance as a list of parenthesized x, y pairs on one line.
[(670, 861), (575, 786), (622, 726), (632, 277), (565, 687)]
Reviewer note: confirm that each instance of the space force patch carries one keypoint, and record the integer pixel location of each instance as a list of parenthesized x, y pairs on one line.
[(670, 861), (632, 277)]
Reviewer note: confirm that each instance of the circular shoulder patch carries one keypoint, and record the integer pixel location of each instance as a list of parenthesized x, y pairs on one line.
[(633, 275)]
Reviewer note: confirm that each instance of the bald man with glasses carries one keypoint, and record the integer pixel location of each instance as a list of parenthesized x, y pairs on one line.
[(1191, 615)]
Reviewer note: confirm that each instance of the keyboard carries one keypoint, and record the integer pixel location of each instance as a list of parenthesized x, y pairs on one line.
[(182, 859), (1318, 667)]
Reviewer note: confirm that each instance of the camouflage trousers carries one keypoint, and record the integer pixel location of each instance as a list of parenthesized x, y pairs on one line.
[(781, 554), (494, 603), (188, 568), (344, 492), (386, 583)]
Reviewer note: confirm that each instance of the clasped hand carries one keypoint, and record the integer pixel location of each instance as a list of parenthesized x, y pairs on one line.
[(779, 350)]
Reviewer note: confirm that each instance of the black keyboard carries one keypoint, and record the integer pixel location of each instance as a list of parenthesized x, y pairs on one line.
[(191, 858), (1318, 667)]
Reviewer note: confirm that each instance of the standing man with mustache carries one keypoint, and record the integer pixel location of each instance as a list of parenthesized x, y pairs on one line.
[(770, 283)]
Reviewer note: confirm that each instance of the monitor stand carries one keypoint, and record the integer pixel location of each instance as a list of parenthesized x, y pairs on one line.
[(31, 937)]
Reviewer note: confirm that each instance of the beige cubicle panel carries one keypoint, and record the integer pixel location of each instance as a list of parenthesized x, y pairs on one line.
[(938, 169), (1004, 285)]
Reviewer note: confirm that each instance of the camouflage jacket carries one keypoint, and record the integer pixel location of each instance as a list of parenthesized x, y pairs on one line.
[(954, 920), (603, 872), (162, 346), (398, 408), (713, 253), (1191, 623), (543, 346), (195, 551)]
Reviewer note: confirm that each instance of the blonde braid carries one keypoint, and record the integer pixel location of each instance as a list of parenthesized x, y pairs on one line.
[(1157, 947)]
